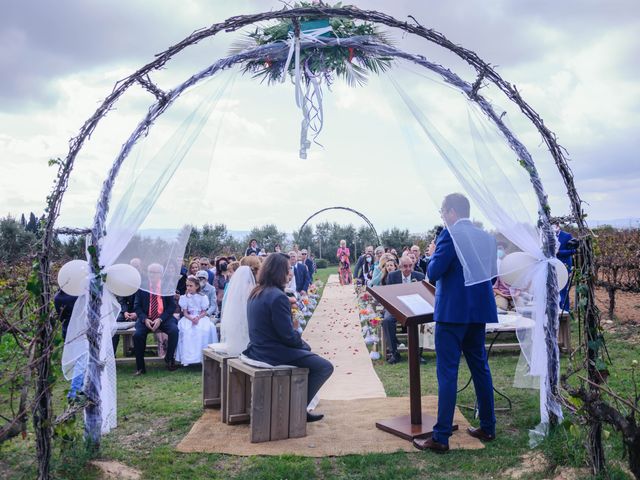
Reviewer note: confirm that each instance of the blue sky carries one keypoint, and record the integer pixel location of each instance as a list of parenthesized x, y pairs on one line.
[(574, 61)]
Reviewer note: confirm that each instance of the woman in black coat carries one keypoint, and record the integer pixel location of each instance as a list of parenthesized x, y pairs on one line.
[(273, 338)]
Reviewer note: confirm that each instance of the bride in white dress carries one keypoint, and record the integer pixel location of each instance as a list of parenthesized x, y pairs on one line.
[(196, 330), (234, 328)]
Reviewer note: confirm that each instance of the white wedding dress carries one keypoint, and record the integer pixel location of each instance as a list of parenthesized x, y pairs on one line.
[(234, 327), (194, 338)]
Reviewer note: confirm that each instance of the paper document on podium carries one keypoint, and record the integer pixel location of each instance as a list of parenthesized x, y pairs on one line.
[(417, 304)]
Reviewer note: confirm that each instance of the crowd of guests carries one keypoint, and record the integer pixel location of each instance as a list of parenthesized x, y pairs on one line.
[(192, 318), (373, 267)]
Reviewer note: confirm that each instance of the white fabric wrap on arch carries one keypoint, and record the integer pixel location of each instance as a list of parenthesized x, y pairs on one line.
[(491, 192), (132, 230)]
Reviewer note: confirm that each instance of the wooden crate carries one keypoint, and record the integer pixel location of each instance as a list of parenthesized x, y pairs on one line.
[(214, 380), (273, 400)]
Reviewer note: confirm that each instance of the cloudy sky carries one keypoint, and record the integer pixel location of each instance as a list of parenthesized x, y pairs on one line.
[(575, 62)]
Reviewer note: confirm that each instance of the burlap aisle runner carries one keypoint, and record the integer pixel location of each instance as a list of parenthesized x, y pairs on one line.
[(352, 400), (334, 332)]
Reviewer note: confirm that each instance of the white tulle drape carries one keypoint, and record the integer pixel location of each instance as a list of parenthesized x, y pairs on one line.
[(142, 225), (234, 328), (485, 173)]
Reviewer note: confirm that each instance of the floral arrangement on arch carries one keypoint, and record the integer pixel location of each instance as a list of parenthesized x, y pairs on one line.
[(325, 62)]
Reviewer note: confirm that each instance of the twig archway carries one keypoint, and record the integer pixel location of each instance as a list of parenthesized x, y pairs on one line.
[(141, 77), (361, 215)]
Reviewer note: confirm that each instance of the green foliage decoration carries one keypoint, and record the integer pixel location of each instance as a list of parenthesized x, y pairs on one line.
[(351, 64)]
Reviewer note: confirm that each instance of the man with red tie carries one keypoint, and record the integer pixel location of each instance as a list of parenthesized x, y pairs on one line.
[(155, 312)]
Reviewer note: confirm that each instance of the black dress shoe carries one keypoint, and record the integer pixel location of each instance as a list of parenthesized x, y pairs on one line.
[(314, 417), (430, 444), (395, 358), (171, 366), (480, 434), (139, 372)]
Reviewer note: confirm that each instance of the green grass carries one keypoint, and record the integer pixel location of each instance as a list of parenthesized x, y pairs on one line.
[(156, 411)]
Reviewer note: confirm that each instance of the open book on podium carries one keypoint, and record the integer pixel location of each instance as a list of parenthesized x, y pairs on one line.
[(411, 304)]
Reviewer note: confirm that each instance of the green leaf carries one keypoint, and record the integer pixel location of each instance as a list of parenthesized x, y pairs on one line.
[(576, 402)]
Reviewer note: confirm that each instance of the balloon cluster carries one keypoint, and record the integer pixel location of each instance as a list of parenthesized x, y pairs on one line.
[(516, 264), (121, 279)]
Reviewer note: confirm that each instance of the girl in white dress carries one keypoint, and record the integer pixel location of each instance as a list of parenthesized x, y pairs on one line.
[(196, 330)]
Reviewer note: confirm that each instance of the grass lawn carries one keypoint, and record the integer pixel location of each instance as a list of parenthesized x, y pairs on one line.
[(157, 410)]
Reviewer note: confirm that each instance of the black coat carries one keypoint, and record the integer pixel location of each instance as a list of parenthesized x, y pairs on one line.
[(272, 338)]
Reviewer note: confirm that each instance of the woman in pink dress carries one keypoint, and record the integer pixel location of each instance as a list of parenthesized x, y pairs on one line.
[(343, 254)]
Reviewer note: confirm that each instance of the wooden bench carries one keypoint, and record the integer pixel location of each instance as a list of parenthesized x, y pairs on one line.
[(214, 380), (127, 348), (273, 400)]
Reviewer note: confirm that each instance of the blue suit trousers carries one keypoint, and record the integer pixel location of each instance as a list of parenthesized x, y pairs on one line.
[(451, 340)]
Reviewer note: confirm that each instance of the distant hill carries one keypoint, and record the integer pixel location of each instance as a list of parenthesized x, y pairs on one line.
[(631, 222)]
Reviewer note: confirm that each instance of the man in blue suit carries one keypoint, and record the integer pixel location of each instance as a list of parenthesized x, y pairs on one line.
[(301, 273), (566, 249), (461, 313), (406, 274), (308, 262)]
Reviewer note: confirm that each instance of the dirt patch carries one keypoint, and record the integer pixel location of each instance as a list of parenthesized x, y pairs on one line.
[(143, 435), (627, 309), (567, 473), (115, 470), (532, 462)]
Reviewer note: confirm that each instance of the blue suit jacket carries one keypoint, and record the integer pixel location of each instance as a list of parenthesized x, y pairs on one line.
[(564, 252), (272, 338), (396, 277), (456, 303), (310, 265), (303, 279)]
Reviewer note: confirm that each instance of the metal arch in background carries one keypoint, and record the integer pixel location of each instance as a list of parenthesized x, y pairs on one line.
[(361, 215)]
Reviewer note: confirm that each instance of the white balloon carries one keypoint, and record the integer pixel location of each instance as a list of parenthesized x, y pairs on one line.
[(73, 277), (561, 272), (122, 279), (514, 265)]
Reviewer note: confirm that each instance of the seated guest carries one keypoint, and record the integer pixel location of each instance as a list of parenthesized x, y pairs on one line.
[(205, 264), (194, 267), (209, 291), (308, 262), (63, 303), (273, 335), (154, 312), (301, 274), (127, 314), (420, 262), (380, 259), (252, 249), (406, 274), (366, 271), (196, 330), (290, 287), (220, 281), (388, 266), (277, 248)]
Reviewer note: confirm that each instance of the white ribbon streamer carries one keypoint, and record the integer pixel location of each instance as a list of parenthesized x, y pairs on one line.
[(312, 100)]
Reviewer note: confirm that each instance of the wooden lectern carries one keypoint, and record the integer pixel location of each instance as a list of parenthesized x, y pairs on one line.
[(400, 301)]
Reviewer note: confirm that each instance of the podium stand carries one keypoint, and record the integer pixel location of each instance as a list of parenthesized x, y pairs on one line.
[(401, 302)]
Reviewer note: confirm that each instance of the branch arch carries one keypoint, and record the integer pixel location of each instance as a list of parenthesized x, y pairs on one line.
[(361, 215)]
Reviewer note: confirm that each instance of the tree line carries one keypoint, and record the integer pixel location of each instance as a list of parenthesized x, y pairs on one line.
[(18, 239)]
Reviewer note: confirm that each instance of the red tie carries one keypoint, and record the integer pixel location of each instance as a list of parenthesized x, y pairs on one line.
[(153, 306)]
